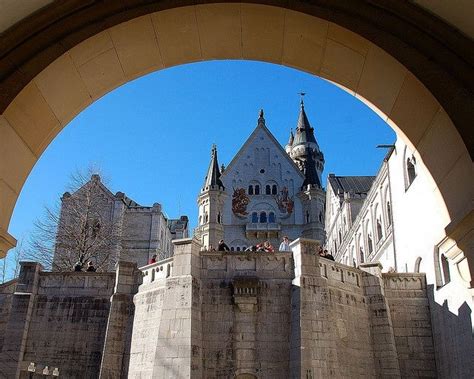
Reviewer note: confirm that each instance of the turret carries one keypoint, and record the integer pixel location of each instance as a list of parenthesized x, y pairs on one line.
[(289, 145), (211, 202), (303, 145)]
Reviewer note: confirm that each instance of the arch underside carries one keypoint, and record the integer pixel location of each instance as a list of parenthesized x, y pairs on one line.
[(412, 69)]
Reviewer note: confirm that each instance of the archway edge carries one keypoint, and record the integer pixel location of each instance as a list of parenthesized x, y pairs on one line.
[(437, 54), (76, 78)]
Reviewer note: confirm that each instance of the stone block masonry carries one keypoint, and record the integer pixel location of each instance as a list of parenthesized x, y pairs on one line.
[(282, 315), (212, 315)]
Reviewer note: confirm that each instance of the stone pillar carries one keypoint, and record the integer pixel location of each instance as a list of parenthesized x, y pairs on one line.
[(245, 325), (179, 344), (312, 341), (116, 352), (16, 331), (381, 328)]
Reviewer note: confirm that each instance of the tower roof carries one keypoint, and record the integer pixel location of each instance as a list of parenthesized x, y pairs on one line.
[(304, 131), (292, 138), (212, 179), (309, 170)]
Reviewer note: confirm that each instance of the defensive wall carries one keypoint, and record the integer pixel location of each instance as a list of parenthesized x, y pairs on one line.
[(283, 315), (204, 314)]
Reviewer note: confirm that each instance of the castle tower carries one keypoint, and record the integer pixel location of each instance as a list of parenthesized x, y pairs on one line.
[(211, 202), (307, 155)]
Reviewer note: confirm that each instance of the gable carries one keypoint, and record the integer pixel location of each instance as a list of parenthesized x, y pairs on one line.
[(261, 136)]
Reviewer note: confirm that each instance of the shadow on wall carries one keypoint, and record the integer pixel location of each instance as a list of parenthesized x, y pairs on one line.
[(453, 339)]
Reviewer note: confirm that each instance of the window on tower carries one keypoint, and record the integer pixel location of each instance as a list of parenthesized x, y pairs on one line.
[(257, 189), (274, 189), (250, 190), (263, 217), (268, 190), (271, 217), (254, 217)]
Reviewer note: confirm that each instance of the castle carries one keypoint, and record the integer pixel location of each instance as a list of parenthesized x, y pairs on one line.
[(201, 313)]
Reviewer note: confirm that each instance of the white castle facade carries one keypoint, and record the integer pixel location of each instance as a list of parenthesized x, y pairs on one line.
[(266, 192)]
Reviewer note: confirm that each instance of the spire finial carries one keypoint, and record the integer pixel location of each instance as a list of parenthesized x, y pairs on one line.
[(261, 119), (302, 98)]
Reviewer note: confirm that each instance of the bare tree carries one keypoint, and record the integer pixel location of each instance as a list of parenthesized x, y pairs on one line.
[(14, 258), (80, 228)]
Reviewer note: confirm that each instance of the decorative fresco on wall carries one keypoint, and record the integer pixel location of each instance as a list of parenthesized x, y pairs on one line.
[(284, 202), (240, 200)]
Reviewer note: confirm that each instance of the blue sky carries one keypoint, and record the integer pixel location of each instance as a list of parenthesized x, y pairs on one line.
[(152, 137)]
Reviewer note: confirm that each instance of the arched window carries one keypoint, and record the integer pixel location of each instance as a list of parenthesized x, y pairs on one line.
[(271, 217), (274, 189), (370, 243), (232, 248), (340, 237), (411, 170), (445, 269), (268, 190), (200, 220), (257, 189), (237, 248), (250, 190), (254, 217), (389, 213), (361, 255), (379, 230), (307, 217), (263, 217), (219, 220)]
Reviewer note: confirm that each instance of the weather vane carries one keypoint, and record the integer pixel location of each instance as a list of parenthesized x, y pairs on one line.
[(301, 96)]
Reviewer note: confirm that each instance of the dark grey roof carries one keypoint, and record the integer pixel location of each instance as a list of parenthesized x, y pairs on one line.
[(213, 176), (351, 184), (292, 138), (304, 131)]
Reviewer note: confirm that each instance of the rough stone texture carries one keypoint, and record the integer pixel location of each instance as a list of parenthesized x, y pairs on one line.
[(282, 315), (204, 314), (410, 313), (56, 320)]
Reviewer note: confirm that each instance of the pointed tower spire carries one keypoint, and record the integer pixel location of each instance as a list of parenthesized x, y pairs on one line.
[(292, 138), (212, 180), (304, 131)]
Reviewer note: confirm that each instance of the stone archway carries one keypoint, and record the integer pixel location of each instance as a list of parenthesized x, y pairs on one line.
[(412, 69)]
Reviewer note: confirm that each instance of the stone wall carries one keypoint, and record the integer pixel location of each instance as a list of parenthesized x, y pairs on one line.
[(411, 319), (56, 320), (284, 315)]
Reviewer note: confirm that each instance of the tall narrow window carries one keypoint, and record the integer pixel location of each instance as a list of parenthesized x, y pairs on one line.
[(370, 243), (254, 217), (274, 189), (361, 254), (411, 170), (257, 189), (389, 213), (379, 230), (307, 217), (250, 190), (263, 217), (445, 268), (271, 217), (340, 237), (268, 190)]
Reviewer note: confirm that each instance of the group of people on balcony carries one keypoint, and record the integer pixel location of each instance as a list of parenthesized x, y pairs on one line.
[(263, 247)]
